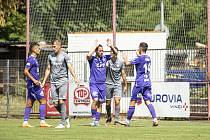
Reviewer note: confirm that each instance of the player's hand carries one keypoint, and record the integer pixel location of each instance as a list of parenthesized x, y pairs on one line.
[(125, 57), (108, 42), (76, 81), (137, 53), (36, 82), (96, 43), (42, 84)]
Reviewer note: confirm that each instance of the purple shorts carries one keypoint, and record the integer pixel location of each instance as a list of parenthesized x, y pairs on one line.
[(98, 91), (139, 92), (35, 93)]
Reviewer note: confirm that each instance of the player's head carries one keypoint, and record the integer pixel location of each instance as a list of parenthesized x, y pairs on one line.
[(112, 52), (35, 48), (143, 47), (99, 50), (56, 45)]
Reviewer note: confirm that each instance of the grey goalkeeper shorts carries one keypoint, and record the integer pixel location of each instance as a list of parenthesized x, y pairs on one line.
[(113, 91), (59, 92)]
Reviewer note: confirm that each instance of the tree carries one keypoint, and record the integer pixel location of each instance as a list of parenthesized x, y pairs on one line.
[(12, 20)]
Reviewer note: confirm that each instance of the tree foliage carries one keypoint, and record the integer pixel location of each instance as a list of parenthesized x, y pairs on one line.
[(12, 20), (49, 19)]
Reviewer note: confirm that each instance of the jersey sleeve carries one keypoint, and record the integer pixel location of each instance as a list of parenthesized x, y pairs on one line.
[(67, 59), (29, 63), (107, 57), (135, 60)]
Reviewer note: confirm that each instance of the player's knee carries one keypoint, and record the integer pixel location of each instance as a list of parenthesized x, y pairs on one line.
[(55, 103), (102, 100), (61, 101), (108, 102), (148, 102), (42, 101), (94, 102), (117, 101), (29, 104)]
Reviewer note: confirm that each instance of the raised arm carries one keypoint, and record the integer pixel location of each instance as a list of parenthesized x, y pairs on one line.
[(109, 44), (90, 53), (125, 58)]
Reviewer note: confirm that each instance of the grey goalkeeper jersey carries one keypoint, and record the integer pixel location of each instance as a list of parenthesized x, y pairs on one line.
[(114, 71), (59, 68)]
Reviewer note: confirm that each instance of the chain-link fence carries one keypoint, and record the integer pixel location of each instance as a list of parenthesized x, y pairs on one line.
[(180, 66), (184, 21)]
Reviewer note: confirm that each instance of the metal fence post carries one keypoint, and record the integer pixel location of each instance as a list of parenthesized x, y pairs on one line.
[(7, 92)]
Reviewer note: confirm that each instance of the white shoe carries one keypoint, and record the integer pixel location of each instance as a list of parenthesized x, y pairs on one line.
[(125, 123), (60, 126), (94, 124), (155, 122), (68, 125)]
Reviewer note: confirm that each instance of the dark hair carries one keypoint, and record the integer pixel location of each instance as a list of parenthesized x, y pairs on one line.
[(144, 46), (32, 45), (99, 45), (113, 50)]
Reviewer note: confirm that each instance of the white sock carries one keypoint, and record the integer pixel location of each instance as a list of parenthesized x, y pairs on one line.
[(155, 119), (25, 122), (42, 121)]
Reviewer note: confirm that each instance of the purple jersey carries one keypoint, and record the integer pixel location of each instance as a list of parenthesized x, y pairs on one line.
[(33, 67), (98, 69), (142, 64)]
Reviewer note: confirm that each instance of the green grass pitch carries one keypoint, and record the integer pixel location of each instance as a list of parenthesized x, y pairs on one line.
[(141, 129)]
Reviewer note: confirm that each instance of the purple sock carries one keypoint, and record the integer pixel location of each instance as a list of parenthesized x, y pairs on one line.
[(93, 111), (130, 112), (27, 113), (42, 109), (152, 110), (98, 115)]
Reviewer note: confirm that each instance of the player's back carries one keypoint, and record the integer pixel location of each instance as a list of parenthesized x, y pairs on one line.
[(143, 64)]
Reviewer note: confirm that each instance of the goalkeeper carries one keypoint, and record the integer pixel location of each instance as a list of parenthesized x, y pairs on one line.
[(115, 69), (59, 63)]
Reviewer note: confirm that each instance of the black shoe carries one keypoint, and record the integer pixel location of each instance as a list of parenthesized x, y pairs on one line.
[(109, 120), (116, 122)]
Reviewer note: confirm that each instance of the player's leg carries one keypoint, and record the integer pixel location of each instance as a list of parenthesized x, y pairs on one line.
[(117, 98), (98, 113), (147, 96), (117, 109), (42, 107), (109, 95), (94, 94), (131, 109), (62, 98), (54, 95), (101, 100), (108, 110), (29, 105)]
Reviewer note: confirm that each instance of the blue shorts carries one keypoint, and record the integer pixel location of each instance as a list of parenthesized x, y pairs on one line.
[(139, 92), (35, 93), (98, 91)]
